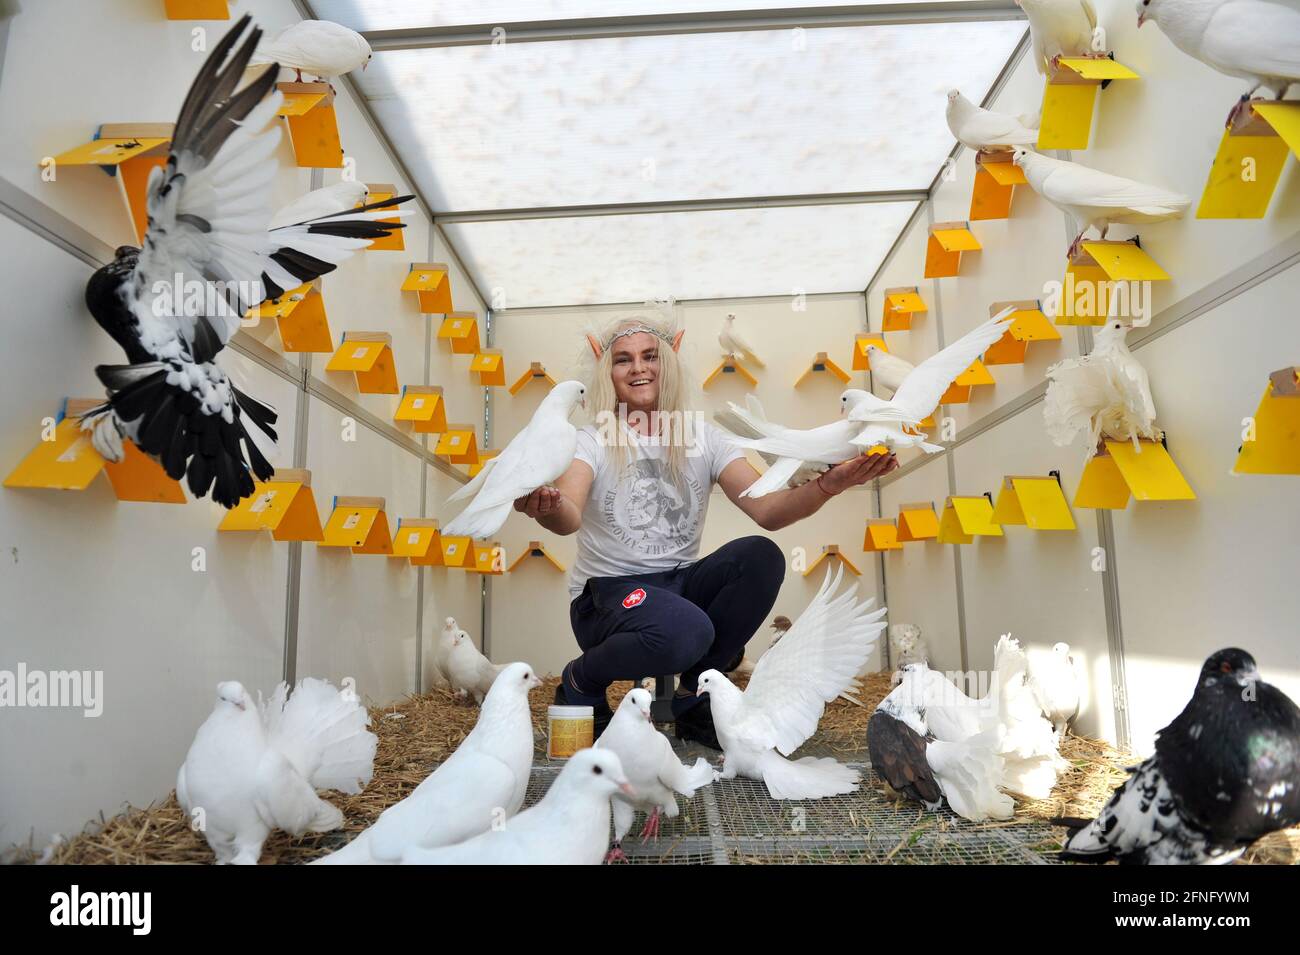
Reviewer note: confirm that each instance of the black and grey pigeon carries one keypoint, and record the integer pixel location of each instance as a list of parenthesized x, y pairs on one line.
[(207, 257), (1225, 773)]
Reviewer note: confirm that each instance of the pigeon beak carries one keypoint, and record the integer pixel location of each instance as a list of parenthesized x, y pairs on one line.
[(626, 789), (1142, 18)]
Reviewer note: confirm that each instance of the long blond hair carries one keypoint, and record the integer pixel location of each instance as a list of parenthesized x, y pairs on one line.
[(672, 421)]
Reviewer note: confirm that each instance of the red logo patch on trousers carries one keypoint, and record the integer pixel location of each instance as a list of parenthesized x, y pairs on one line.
[(635, 597)]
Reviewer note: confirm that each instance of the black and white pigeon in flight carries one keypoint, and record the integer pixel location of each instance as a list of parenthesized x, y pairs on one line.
[(1225, 772), (207, 257)]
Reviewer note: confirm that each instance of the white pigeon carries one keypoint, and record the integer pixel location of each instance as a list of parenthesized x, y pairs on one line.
[(535, 457), (887, 370), (918, 393), (1061, 28), (570, 826), (325, 201), (741, 427), (1097, 199), (906, 645), (1106, 391), (984, 130), (1027, 741), (792, 450), (253, 767), (442, 651), (788, 691), (1256, 40), (1055, 683), (480, 785), (651, 767), (734, 346), (320, 47), (468, 670), (908, 755)]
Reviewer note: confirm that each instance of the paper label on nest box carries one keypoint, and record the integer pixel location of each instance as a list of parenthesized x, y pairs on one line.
[(455, 439), (262, 503), (74, 450), (413, 537), (352, 521), (451, 548), (360, 352), (417, 403), (455, 324)]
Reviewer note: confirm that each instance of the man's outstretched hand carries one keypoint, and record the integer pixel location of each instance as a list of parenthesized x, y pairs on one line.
[(543, 501), (865, 467)]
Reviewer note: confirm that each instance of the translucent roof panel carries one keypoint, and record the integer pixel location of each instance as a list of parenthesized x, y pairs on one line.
[(406, 14), (699, 116), (689, 255)]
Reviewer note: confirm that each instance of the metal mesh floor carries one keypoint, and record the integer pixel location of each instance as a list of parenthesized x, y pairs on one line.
[(734, 821)]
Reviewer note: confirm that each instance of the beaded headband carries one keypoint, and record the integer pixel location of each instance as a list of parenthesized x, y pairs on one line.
[(598, 349)]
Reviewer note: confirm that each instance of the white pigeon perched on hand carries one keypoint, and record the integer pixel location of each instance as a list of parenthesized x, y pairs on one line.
[(1061, 28), (535, 457), (468, 670), (325, 201), (788, 691), (255, 767), (569, 826), (734, 346), (1096, 199), (651, 767), (320, 47), (984, 130), (1055, 682), (1256, 40), (907, 754), (1106, 391), (480, 785), (918, 394)]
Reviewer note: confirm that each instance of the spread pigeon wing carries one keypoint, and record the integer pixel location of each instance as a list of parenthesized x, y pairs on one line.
[(813, 663), (921, 390)]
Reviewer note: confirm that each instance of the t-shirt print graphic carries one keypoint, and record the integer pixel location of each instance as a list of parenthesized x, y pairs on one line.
[(650, 513)]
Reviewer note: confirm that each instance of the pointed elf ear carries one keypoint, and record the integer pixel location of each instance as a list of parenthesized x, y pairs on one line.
[(595, 346), (677, 339)]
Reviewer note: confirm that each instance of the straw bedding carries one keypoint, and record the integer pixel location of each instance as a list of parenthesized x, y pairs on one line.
[(423, 730)]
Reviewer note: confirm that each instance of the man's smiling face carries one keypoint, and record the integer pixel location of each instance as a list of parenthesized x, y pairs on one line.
[(635, 371)]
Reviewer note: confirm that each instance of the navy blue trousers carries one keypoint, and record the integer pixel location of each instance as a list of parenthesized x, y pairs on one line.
[(686, 620)]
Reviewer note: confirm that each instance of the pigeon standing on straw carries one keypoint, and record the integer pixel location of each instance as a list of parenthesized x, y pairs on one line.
[(788, 691), (535, 457), (208, 210), (1225, 773), (1061, 28), (1055, 683), (468, 670), (651, 766), (321, 48), (908, 755), (1256, 40), (734, 346), (1097, 200), (982, 129), (254, 768), (570, 826), (481, 784)]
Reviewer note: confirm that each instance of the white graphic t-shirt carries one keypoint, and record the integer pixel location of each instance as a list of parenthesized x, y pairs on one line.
[(640, 522)]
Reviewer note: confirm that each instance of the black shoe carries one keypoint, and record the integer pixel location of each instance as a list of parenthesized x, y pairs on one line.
[(601, 713), (697, 724)]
